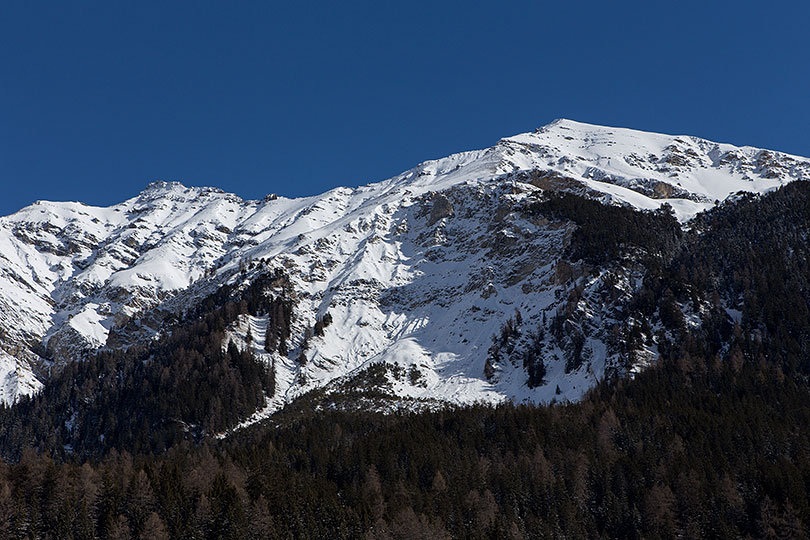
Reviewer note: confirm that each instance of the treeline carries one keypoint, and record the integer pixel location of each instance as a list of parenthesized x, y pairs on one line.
[(690, 451), (187, 385), (606, 233), (755, 255), (752, 257), (605, 237)]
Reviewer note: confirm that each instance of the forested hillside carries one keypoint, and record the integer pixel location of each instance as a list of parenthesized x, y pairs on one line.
[(698, 451), (189, 384)]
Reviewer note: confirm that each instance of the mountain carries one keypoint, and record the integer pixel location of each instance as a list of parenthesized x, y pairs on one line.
[(457, 274), (138, 440)]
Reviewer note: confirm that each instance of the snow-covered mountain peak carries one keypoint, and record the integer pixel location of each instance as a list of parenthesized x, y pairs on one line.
[(164, 186), (176, 190), (176, 197), (645, 169), (419, 269)]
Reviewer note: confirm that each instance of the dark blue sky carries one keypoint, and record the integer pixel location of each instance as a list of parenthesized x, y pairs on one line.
[(99, 98)]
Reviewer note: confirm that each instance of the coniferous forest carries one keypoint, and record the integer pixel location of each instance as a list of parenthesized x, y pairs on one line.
[(712, 441)]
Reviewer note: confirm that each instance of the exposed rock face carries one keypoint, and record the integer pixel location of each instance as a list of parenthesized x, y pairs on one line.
[(421, 269), (662, 190), (442, 208)]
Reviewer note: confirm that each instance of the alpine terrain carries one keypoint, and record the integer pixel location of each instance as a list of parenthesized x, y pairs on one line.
[(457, 275), (580, 332)]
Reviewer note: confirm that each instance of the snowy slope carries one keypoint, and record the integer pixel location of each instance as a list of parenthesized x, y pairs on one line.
[(419, 270), (646, 169)]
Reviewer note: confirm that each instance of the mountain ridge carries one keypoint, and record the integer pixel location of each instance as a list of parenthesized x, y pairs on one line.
[(400, 264)]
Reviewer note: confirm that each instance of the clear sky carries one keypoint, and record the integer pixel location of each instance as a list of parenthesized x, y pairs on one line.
[(97, 99)]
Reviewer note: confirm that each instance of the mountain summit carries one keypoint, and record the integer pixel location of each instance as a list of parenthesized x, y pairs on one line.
[(445, 273)]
